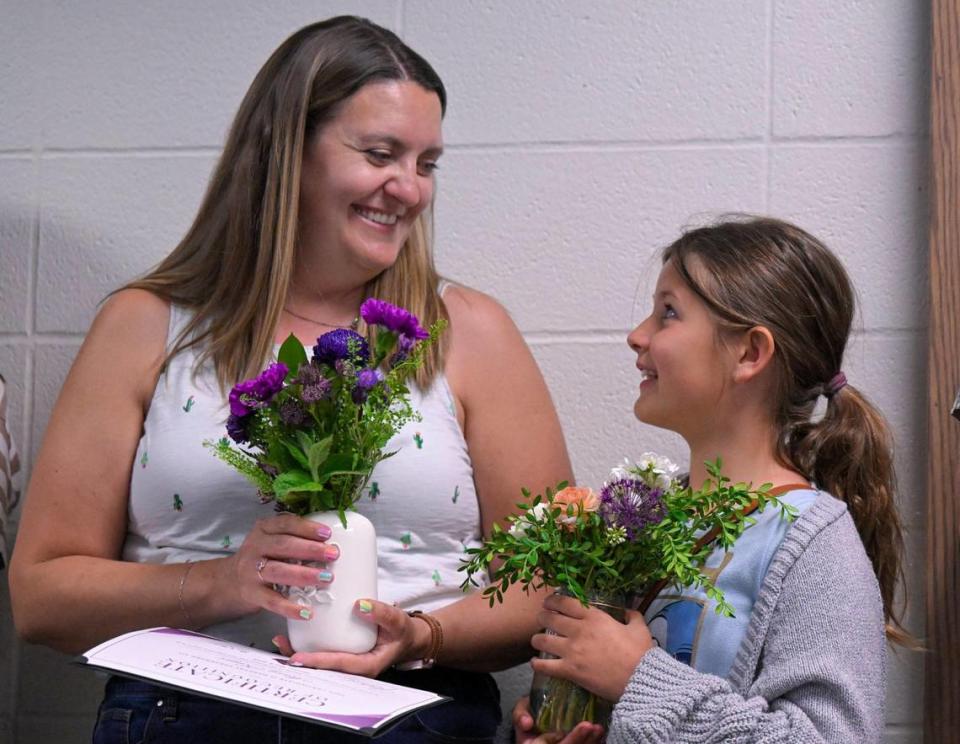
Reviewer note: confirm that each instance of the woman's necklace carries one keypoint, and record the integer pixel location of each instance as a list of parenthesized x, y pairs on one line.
[(353, 325)]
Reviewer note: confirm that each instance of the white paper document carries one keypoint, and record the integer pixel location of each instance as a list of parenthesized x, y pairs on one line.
[(209, 666)]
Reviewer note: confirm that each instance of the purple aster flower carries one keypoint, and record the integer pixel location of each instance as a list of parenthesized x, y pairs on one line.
[(367, 379), (292, 412), (237, 428), (256, 393), (631, 504), (393, 318), (336, 345)]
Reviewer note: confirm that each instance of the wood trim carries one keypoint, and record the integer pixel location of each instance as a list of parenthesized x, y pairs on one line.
[(942, 675)]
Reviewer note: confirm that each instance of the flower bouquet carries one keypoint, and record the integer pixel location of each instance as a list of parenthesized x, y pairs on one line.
[(645, 527), (308, 433)]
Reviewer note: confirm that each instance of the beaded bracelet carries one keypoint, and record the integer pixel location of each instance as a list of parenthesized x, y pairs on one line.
[(436, 643)]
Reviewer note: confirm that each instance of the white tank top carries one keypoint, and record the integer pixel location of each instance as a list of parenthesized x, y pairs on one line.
[(187, 505)]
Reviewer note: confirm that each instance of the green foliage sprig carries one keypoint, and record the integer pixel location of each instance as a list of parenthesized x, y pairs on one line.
[(642, 529)]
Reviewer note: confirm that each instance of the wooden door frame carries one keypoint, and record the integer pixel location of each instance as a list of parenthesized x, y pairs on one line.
[(942, 668)]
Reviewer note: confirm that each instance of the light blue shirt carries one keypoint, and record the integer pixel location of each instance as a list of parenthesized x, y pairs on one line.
[(686, 625)]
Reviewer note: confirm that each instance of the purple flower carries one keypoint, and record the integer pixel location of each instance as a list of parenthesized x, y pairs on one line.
[(314, 386), (393, 318), (631, 504), (237, 428), (313, 393), (292, 412), (308, 374), (256, 393), (367, 379), (336, 345)]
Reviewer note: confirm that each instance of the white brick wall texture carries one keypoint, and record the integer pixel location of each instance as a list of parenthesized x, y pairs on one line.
[(580, 137)]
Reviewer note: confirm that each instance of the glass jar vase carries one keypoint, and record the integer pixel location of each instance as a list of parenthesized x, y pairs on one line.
[(558, 705)]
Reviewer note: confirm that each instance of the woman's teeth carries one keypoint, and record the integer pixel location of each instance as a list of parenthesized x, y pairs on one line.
[(381, 218)]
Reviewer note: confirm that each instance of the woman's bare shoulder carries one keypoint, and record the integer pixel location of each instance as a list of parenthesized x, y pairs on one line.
[(134, 312), (129, 334), (478, 314)]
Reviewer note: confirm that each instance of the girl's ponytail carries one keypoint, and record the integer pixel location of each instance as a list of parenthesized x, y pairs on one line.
[(849, 453)]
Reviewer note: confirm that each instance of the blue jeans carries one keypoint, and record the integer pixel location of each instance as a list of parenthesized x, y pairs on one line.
[(134, 712)]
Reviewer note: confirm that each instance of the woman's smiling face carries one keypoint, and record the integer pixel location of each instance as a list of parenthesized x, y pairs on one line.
[(684, 366), (367, 175)]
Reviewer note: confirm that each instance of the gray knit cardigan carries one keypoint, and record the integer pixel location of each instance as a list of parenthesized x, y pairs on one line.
[(812, 664)]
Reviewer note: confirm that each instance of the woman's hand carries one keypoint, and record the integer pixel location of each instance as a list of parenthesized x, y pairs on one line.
[(592, 649), (525, 732), (271, 554), (398, 637)]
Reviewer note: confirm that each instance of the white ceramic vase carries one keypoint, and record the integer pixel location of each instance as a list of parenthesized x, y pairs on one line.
[(334, 625)]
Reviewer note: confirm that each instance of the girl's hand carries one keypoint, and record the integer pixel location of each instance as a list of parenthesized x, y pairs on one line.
[(396, 640), (592, 649), (271, 554), (525, 732)]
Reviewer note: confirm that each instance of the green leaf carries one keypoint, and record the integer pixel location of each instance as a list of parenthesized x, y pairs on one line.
[(339, 463), (292, 354), (386, 340), (317, 455), (294, 480), (297, 454), (304, 440)]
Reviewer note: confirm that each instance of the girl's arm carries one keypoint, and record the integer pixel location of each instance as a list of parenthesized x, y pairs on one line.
[(813, 658)]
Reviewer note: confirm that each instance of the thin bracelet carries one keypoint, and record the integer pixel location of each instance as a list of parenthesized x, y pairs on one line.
[(183, 582)]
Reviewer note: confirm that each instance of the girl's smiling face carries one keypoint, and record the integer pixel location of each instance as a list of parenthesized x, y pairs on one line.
[(685, 368)]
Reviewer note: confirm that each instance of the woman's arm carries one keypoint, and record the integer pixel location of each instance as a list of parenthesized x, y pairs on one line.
[(68, 586), (514, 438)]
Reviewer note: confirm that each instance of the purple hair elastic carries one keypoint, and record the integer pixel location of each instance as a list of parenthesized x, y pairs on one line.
[(836, 384)]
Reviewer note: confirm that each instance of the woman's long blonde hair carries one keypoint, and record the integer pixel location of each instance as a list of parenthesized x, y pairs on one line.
[(234, 267)]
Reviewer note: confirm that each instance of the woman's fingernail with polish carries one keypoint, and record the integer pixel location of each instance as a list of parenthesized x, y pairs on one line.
[(331, 553), (306, 614), (365, 606), (275, 641), (324, 576), (323, 531), (296, 663)]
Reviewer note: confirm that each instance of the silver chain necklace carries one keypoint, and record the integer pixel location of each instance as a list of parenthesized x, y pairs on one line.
[(353, 325)]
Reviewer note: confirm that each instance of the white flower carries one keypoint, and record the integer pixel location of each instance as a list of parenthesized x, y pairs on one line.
[(530, 517), (621, 471), (616, 536), (658, 471)]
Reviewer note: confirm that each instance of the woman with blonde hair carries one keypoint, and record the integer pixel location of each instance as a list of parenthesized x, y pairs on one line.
[(320, 199)]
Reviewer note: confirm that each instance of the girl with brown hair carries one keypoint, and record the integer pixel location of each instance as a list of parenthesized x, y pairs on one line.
[(321, 198), (750, 322)]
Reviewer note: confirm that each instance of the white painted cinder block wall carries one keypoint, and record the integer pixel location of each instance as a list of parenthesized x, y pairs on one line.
[(580, 137)]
